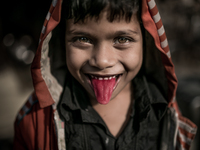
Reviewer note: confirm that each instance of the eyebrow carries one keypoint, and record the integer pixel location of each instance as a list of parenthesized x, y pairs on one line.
[(79, 33), (126, 32), (117, 33)]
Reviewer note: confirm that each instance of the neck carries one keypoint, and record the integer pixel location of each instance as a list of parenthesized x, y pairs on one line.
[(116, 113)]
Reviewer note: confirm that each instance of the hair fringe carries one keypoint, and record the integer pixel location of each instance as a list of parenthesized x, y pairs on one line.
[(79, 10)]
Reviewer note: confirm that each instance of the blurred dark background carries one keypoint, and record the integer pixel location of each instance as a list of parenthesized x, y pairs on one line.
[(20, 25)]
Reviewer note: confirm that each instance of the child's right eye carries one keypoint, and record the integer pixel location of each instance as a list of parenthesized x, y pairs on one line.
[(82, 40)]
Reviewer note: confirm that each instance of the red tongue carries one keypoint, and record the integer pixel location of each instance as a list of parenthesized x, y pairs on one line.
[(103, 89)]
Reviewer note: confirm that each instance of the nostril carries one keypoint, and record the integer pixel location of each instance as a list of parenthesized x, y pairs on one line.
[(103, 58)]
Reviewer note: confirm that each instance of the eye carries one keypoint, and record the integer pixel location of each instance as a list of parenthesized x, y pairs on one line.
[(83, 40), (122, 40)]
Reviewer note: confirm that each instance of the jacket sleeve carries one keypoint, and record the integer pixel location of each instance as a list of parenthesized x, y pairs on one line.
[(19, 143), (24, 131)]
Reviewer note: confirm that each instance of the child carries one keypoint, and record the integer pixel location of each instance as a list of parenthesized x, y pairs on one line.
[(108, 84)]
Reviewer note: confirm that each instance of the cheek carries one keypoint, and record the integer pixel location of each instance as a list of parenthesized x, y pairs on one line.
[(74, 60), (133, 61), (72, 64)]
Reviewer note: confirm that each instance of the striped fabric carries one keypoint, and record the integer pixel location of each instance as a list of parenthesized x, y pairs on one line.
[(161, 31), (186, 129), (26, 108), (186, 134), (52, 7), (172, 80), (51, 20)]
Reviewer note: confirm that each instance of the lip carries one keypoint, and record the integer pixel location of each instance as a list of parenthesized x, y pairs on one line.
[(117, 76), (118, 80), (102, 75)]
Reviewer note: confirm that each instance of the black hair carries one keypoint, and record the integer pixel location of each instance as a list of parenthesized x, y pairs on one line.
[(80, 9)]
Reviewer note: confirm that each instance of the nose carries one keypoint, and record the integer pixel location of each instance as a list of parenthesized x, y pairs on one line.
[(103, 57)]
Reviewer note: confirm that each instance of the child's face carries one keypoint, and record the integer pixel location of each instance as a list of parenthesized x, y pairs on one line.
[(104, 49)]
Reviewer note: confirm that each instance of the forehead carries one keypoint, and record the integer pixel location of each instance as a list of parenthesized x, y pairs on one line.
[(103, 23)]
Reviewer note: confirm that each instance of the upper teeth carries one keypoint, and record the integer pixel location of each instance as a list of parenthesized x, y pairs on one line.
[(103, 78)]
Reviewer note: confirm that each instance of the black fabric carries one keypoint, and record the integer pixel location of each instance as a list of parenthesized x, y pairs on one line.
[(85, 129), (153, 65)]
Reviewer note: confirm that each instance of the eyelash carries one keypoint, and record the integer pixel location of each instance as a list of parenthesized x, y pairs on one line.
[(77, 39), (116, 40), (127, 39)]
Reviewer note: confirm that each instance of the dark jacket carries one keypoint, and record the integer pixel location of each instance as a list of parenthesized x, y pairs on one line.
[(38, 124)]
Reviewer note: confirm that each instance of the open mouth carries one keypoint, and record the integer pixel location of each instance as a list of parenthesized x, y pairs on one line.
[(103, 86), (117, 78)]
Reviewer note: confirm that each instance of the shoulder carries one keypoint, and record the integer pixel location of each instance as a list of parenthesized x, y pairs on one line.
[(178, 131), (31, 121), (31, 113), (24, 125), (26, 109)]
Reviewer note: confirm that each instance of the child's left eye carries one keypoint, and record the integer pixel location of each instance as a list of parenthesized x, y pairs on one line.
[(121, 40)]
